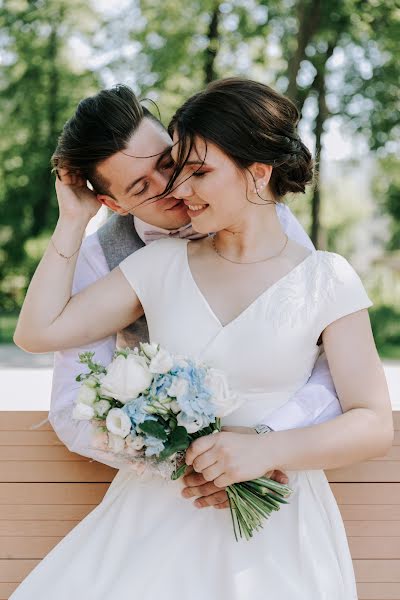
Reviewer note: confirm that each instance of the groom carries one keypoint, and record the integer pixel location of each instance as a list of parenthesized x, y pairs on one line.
[(124, 152)]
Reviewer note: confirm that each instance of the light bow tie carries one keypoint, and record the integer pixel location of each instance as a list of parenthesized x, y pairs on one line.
[(186, 233)]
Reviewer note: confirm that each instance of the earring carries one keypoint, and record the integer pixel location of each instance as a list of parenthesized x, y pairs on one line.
[(260, 186)]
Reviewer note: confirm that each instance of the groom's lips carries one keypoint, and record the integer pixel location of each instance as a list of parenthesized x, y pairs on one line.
[(174, 203)]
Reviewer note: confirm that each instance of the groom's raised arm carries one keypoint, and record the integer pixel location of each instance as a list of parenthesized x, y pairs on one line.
[(90, 267), (317, 400)]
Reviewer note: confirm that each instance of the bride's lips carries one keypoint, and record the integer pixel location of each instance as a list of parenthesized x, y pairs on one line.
[(194, 210)]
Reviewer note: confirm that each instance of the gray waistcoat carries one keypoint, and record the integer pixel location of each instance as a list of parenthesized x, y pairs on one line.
[(118, 239)]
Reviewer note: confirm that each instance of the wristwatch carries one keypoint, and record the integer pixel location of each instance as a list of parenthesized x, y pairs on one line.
[(260, 428)]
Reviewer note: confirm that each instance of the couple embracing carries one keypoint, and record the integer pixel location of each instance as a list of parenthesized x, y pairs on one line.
[(203, 257)]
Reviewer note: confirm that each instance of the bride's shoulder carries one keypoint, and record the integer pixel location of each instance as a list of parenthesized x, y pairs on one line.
[(332, 263)]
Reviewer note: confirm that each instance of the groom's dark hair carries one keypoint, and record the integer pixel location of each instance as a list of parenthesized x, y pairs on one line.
[(101, 126)]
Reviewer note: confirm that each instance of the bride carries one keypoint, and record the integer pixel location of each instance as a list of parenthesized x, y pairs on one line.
[(248, 301)]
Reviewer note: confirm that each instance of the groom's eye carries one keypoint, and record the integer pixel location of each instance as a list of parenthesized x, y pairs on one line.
[(144, 189), (168, 165)]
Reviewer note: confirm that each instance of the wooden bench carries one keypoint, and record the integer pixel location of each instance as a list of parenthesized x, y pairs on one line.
[(45, 490)]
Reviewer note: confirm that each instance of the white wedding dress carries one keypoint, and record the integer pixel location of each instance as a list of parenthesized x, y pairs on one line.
[(144, 541)]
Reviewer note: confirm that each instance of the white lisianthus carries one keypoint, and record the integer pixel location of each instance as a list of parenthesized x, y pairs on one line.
[(174, 406), (86, 395), (178, 388), (150, 350), (192, 424), (162, 362), (118, 422), (126, 378), (82, 412), (91, 381), (101, 407), (223, 399), (116, 443)]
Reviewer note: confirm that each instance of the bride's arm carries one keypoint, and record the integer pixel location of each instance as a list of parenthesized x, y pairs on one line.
[(363, 431), (50, 319)]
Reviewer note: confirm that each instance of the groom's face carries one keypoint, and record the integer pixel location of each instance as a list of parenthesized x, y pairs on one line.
[(140, 172)]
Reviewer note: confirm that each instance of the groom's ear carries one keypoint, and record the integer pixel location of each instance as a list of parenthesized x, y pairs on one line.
[(110, 202)]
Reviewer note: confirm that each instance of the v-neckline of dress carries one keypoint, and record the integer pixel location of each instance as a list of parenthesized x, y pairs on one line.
[(252, 303)]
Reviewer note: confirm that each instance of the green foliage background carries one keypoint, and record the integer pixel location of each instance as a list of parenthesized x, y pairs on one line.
[(337, 60)]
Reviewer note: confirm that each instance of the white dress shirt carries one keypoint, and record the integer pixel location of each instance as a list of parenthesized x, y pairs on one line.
[(314, 403)]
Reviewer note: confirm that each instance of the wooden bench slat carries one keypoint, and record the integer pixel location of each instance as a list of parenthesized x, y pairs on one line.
[(45, 512), (378, 591), (377, 570), (372, 528), (29, 438), (370, 512), (36, 528), (375, 547), (366, 493), (6, 589), (14, 571), (39, 453), (52, 493), (367, 472), (22, 547), (14, 420), (52, 471)]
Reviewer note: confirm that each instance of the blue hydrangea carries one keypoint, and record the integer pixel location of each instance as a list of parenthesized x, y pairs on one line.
[(197, 400), (154, 446), (136, 411)]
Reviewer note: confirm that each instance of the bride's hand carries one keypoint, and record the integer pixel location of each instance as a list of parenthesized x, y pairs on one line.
[(226, 458), (76, 201)]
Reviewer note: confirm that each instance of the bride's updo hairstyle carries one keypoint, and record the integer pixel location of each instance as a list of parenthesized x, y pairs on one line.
[(250, 123)]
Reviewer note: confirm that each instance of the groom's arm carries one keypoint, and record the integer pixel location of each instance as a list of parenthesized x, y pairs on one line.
[(317, 400), (314, 403), (76, 435)]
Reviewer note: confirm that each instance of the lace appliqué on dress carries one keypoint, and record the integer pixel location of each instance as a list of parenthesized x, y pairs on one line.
[(306, 290)]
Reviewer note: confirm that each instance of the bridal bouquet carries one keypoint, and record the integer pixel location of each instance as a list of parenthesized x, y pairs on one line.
[(148, 406)]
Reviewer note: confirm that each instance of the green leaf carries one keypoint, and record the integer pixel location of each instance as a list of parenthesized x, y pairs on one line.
[(155, 429)]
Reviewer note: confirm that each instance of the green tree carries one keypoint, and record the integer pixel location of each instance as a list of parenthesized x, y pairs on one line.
[(39, 88)]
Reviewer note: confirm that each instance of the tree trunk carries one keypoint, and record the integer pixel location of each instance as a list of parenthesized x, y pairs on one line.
[(213, 45), (319, 86), (309, 17), (42, 208)]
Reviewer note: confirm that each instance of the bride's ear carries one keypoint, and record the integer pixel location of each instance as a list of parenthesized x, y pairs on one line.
[(261, 174)]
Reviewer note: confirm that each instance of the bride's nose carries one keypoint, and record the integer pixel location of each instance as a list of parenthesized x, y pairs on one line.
[(184, 189)]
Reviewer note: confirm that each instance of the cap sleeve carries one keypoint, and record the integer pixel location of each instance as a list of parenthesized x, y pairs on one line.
[(343, 290), (146, 267)]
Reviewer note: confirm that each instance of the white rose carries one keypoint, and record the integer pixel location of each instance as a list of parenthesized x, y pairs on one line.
[(126, 378), (191, 424), (86, 395), (118, 422), (82, 412), (178, 388), (150, 350), (223, 399), (101, 407), (116, 443), (162, 362)]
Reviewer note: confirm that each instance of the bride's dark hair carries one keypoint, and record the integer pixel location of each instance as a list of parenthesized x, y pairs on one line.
[(251, 123)]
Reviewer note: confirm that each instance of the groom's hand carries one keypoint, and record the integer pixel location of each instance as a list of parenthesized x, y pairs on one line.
[(208, 494)]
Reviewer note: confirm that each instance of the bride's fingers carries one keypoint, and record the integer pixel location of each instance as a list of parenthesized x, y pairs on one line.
[(205, 460), (213, 472), (200, 446)]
